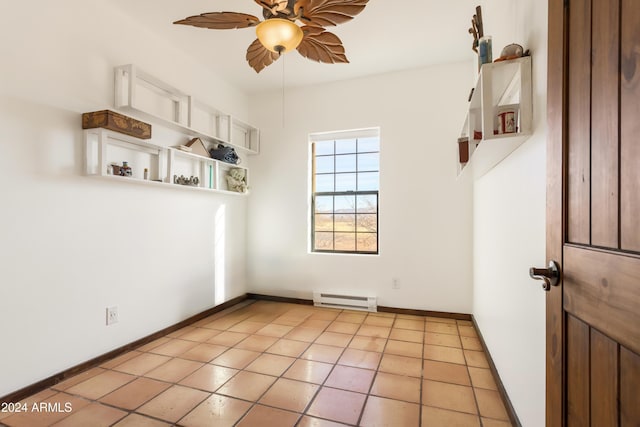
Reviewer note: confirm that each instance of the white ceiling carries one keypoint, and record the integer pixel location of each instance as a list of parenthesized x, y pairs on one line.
[(387, 36)]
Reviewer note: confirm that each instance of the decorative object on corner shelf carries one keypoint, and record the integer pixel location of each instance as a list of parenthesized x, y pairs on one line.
[(279, 33), (184, 148), (117, 122), (477, 29), (183, 180), (237, 180), (485, 54), (146, 173), (511, 51), (197, 147), (225, 154), (125, 169), (507, 120), (463, 149)]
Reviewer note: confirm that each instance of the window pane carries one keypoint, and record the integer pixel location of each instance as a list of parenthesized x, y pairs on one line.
[(323, 222), (367, 242), (368, 181), (324, 164), (367, 203), (345, 242), (324, 204), (345, 182), (367, 223), (345, 222), (345, 146), (323, 147), (324, 183), (345, 204), (368, 162), (323, 241), (346, 163), (368, 144)]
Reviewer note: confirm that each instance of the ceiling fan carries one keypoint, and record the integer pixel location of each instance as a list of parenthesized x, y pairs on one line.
[(279, 33)]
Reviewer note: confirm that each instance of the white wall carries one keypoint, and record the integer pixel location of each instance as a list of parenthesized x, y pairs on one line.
[(425, 213), (72, 245), (509, 235)]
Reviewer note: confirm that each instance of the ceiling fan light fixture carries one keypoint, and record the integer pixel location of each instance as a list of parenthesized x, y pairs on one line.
[(279, 35)]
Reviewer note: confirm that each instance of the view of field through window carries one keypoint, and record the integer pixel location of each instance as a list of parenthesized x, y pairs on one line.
[(346, 174)]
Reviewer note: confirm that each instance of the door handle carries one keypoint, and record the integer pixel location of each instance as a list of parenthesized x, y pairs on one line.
[(550, 275)]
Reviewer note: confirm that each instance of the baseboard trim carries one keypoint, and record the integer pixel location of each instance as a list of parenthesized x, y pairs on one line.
[(428, 313), (503, 392), (262, 297), (97, 361)]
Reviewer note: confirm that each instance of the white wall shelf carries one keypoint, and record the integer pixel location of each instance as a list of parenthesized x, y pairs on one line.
[(145, 96), (500, 86), (104, 147)]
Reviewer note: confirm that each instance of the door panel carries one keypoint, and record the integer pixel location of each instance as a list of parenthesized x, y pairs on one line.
[(604, 380), (578, 371), (629, 380)]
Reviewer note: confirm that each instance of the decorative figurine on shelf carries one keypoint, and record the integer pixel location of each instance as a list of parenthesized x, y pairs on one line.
[(237, 180), (512, 51), (125, 169), (476, 30), (183, 180)]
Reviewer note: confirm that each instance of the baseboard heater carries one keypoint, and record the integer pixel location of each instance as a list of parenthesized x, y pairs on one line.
[(350, 302)]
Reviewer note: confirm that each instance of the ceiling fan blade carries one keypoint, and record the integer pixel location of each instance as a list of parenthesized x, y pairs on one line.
[(260, 57), (321, 46), (221, 20), (325, 13)]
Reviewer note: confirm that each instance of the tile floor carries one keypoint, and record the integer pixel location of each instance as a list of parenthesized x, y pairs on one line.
[(273, 364)]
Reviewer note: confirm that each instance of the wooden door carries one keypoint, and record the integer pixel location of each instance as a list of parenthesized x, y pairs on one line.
[(593, 213)]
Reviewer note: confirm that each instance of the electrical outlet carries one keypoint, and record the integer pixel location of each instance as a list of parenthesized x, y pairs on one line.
[(395, 283), (112, 315)]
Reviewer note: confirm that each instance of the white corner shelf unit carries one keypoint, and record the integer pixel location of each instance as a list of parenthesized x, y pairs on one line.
[(104, 148), (500, 86), (149, 98)]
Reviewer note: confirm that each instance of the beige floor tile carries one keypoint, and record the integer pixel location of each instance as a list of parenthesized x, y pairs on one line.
[(285, 347), (414, 325), (256, 343), (476, 359), (120, 359), (307, 421), (174, 370), (325, 314), (155, 343), (209, 378), (94, 415), (181, 331), (448, 396), (173, 347), (223, 323), (98, 386), (273, 330), (343, 327), (360, 358), (199, 334), (446, 340), (334, 339), (61, 401), (469, 343), (482, 378), (374, 331), (441, 328), (404, 348), (446, 372), (236, 358), (352, 317), (270, 364), (288, 321), (136, 420), (247, 385), (386, 412), (349, 378), (135, 394), (397, 387), (290, 395), (437, 417), (379, 321), (204, 352), (227, 338), (247, 327), (322, 353), (337, 405), (443, 354), (487, 422), (174, 403), (309, 371), (467, 331), (219, 411), (406, 335), (268, 417), (410, 317), (303, 334), (401, 365), (316, 324), (29, 402), (368, 343), (76, 379), (142, 364), (440, 320), (490, 404)]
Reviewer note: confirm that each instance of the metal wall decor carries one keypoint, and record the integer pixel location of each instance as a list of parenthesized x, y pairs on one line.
[(183, 180)]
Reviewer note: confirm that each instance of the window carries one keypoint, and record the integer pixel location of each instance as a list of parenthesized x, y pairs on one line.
[(345, 175)]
